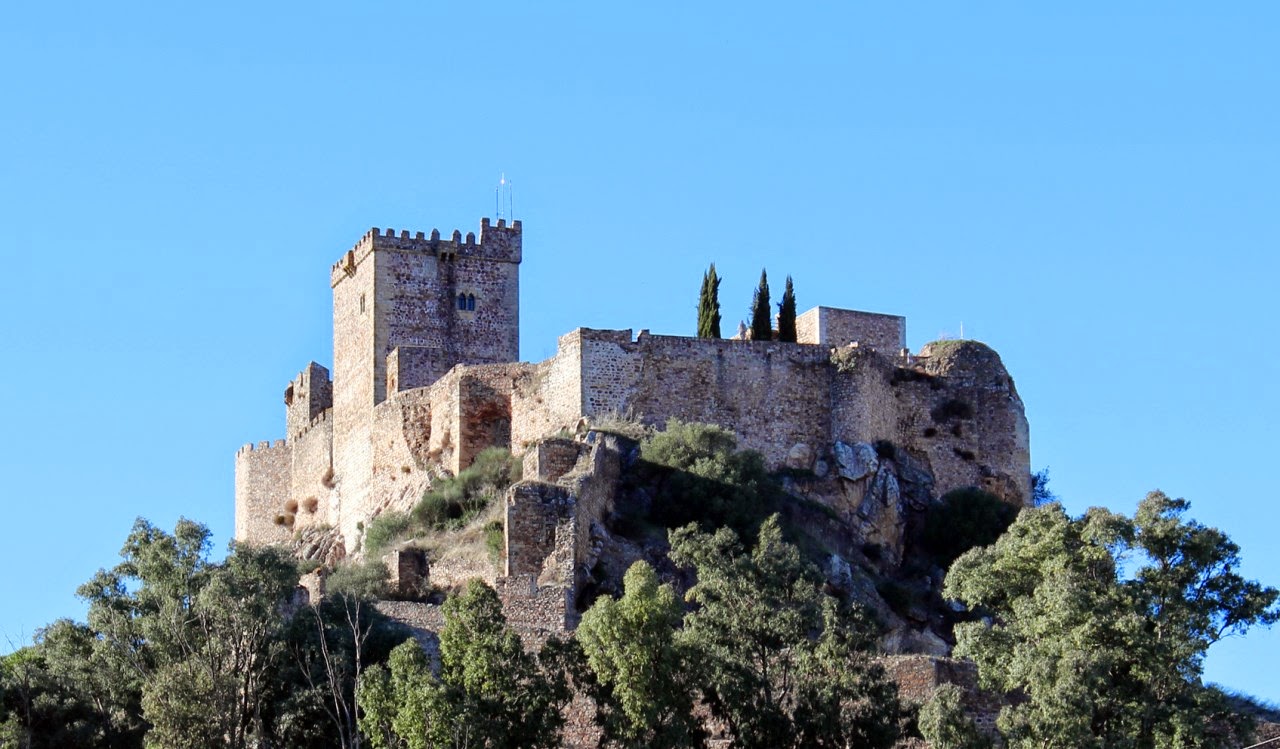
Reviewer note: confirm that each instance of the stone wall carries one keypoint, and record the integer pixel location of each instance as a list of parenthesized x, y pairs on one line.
[(310, 474), (773, 395), (308, 396), (262, 488), (918, 676), (548, 397), (829, 326)]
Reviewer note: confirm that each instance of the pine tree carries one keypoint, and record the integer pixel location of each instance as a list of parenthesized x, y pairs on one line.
[(787, 314), (761, 312), (709, 305)]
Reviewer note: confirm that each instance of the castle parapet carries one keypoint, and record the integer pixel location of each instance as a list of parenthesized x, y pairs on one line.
[(500, 242)]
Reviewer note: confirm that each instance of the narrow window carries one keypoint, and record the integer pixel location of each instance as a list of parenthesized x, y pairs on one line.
[(462, 301), (362, 303), (471, 302)]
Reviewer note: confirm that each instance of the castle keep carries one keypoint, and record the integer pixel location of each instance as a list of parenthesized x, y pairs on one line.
[(426, 375)]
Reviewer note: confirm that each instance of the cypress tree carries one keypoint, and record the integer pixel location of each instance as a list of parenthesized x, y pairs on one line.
[(709, 305), (761, 317), (787, 314)]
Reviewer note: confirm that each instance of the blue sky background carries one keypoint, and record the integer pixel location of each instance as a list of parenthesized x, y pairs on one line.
[(1092, 191)]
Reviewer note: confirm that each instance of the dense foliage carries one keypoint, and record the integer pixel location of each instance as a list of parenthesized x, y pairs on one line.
[(780, 662), (701, 477), (963, 519), (489, 692), (1101, 623)]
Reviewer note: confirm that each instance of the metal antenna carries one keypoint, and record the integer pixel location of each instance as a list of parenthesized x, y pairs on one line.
[(502, 198)]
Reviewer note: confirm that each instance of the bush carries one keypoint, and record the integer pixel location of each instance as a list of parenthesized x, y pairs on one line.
[(965, 518), (454, 501), (495, 540), (703, 478), (384, 530), (367, 579)]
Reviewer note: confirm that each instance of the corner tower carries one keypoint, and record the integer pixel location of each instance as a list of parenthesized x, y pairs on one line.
[(406, 309)]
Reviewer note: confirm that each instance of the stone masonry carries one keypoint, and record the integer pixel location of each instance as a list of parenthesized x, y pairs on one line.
[(426, 375)]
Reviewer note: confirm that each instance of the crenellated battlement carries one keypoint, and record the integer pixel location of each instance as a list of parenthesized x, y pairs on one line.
[(262, 446), (318, 421), (499, 242)]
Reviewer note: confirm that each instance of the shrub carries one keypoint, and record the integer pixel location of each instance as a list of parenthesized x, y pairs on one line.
[(311, 504), (495, 540), (703, 478), (384, 530), (965, 518), (327, 478), (291, 507), (367, 579)]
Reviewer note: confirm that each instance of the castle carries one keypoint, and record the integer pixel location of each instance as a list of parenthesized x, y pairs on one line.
[(426, 375)]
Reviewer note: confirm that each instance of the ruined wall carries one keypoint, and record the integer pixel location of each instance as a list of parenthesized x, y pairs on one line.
[(919, 676), (410, 367), (548, 397), (262, 488)]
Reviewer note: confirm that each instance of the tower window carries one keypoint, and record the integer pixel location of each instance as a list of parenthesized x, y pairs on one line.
[(471, 302), (462, 301), (362, 303)]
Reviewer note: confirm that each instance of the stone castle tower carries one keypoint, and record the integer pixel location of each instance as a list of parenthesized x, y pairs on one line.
[(406, 310)]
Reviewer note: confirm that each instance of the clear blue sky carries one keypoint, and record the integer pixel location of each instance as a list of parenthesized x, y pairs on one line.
[(1092, 191)]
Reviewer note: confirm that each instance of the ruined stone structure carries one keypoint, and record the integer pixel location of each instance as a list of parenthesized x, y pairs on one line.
[(426, 339)]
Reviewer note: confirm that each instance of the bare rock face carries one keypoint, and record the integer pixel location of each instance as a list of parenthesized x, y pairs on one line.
[(856, 461), (800, 456)]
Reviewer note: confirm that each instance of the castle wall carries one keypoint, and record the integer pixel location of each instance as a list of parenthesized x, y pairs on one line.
[(310, 467), (773, 395), (829, 326), (863, 406), (262, 488), (547, 397), (354, 303), (308, 396)]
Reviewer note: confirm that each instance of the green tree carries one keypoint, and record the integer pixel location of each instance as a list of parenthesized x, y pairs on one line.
[(1106, 659), (787, 314), (761, 311), (629, 645), (782, 665), (332, 643), (199, 641), (490, 692), (709, 305), (944, 724)]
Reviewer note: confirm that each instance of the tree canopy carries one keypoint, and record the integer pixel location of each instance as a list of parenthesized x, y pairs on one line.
[(1102, 622)]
